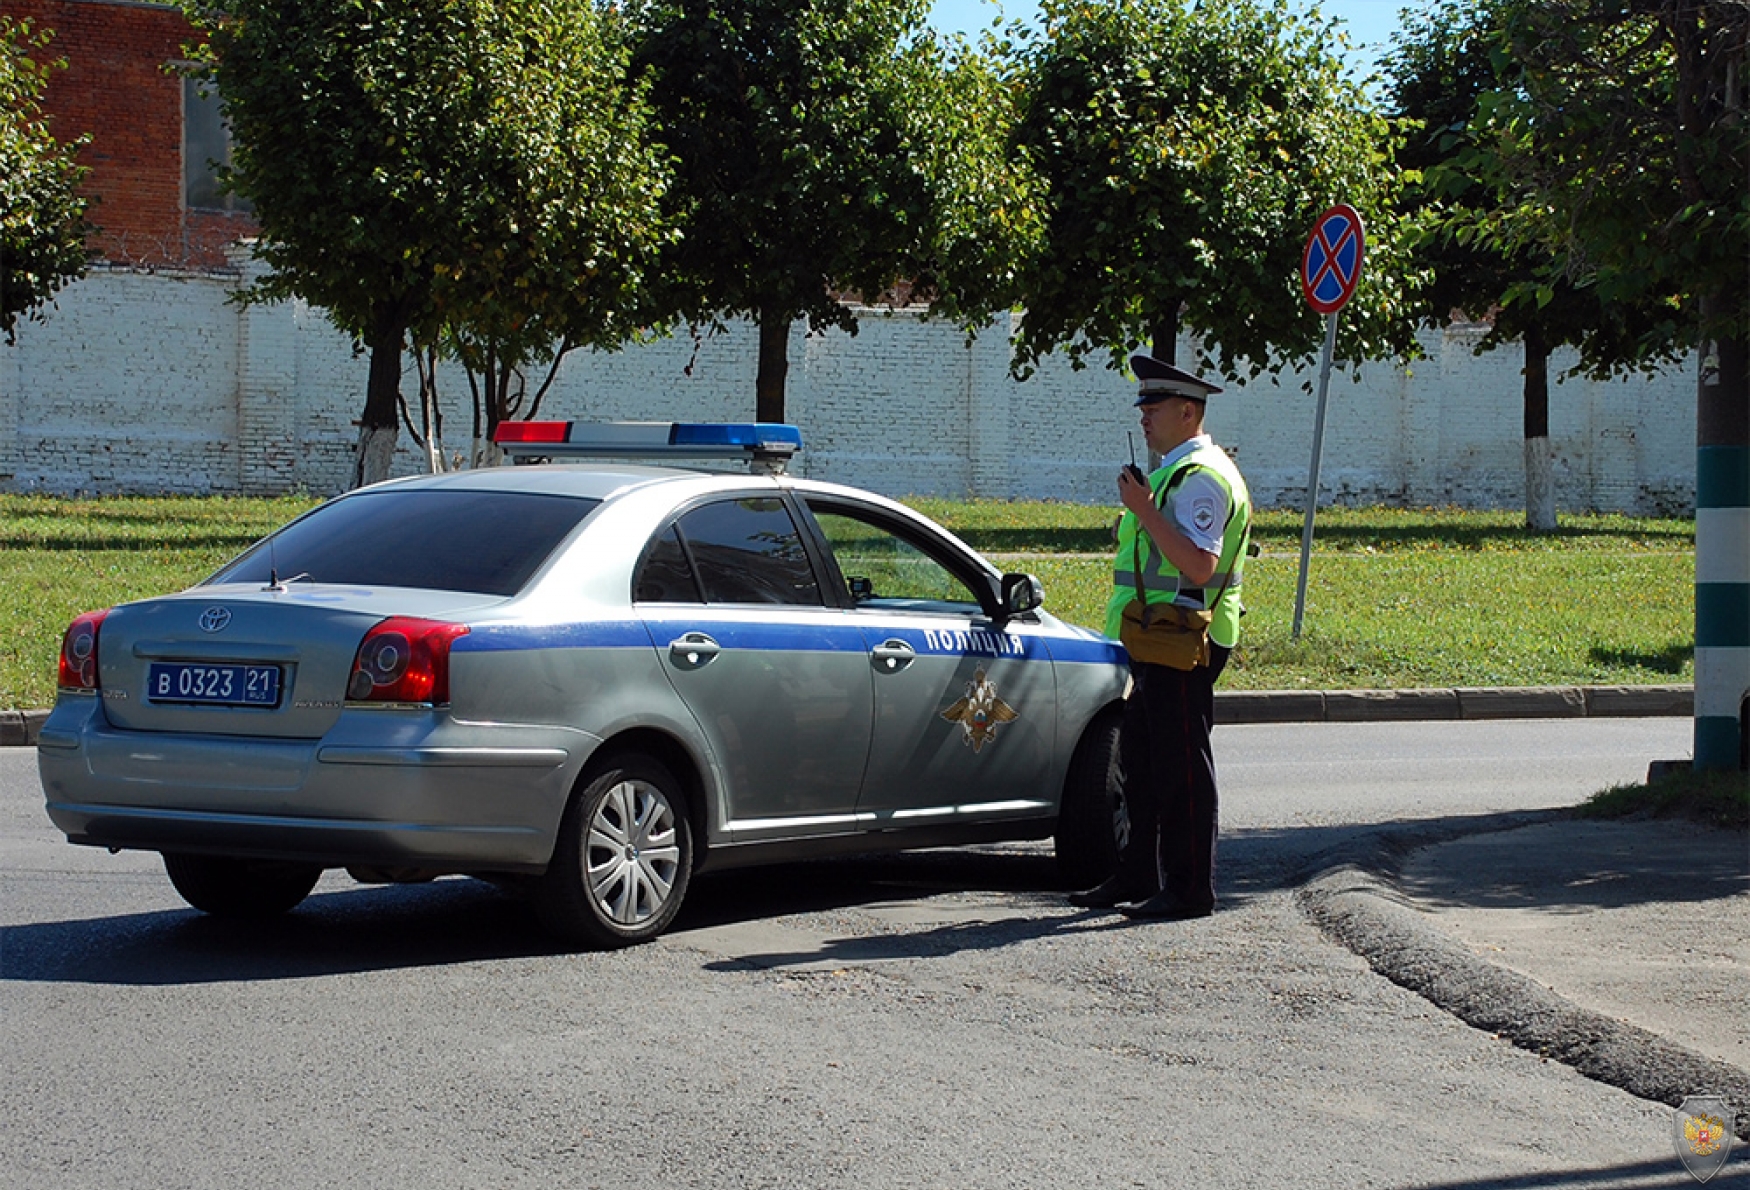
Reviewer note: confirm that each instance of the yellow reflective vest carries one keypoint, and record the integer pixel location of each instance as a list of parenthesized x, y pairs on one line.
[(1161, 581)]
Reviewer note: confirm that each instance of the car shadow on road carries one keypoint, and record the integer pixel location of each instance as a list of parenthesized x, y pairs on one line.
[(347, 930), (1253, 864), (332, 933), (995, 896), (847, 882), (455, 921)]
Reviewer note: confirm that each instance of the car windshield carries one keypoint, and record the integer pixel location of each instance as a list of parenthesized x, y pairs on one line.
[(481, 542)]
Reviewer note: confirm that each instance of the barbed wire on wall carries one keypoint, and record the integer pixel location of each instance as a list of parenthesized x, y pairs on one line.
[(199, 245)]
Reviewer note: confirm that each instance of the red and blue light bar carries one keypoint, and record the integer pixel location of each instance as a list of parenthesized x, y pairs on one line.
[(766, 442)]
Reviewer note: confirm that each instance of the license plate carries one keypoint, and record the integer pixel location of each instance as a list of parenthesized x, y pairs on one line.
[(214, 685)]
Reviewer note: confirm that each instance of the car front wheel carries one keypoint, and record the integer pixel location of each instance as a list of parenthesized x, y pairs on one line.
[(229, 886), (623, 858), (1092, 824)]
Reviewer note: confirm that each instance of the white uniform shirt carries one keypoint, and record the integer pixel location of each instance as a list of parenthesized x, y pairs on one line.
[(1199, 504)]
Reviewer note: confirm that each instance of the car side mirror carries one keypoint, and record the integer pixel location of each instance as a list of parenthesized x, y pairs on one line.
[(1021, 593)]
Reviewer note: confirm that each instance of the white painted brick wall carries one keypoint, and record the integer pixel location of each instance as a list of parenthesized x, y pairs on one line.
[(130, 384), (147, 383)]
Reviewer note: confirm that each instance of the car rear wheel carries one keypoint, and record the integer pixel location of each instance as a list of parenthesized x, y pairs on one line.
[(228, 886), (623, 859), (1092, 823)]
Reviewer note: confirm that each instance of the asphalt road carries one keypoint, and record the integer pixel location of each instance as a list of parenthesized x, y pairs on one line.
[(935, 1020)]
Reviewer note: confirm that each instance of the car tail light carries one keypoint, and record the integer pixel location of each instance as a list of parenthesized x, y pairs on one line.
[(79, 652), (404, 660)]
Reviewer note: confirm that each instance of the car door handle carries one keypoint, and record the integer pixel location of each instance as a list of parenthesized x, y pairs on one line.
[(694, 650), (891, 656)]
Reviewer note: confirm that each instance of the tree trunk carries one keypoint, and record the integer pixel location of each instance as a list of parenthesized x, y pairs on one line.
[(774, 365), (1164, 336), (1540, 480), (1164, 346), (380, 426), (430, 426), (497, 380), (1722, 553)]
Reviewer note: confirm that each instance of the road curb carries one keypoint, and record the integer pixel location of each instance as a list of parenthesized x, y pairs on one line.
[(1357, 905), (20, 728), (1460, 702)]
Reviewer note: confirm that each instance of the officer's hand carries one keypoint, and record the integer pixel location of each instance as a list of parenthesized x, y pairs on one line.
[(1134, 492)]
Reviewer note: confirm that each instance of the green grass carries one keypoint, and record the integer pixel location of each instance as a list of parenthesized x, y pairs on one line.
[(62, 557), (996, 526), (1719, 799), (1404, 598), (1396, 599)]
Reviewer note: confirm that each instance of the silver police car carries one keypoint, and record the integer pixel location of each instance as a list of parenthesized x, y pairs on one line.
[(586, 680)]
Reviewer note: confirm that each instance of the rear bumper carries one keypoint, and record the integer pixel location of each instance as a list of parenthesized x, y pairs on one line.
[(393, 788), (330, 842)]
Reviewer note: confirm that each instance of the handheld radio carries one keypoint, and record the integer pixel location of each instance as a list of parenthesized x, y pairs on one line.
[(1131, 467)]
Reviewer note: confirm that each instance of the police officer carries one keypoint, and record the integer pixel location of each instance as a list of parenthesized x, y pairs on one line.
[(1183, 540)]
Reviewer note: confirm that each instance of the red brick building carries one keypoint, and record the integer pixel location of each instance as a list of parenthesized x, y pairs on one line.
[(152, 133)]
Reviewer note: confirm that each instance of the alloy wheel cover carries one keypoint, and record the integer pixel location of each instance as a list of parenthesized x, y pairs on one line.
[(633, 853)]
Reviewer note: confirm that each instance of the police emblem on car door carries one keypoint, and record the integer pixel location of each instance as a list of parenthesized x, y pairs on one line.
[(980, 712), (965, 708)]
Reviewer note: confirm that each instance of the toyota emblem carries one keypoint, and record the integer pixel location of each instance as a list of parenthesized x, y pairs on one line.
[(214, 619)]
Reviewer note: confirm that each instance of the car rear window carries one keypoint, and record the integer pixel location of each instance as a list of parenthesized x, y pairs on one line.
[(486, 543)]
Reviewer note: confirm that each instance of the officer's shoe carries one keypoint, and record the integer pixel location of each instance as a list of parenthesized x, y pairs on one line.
[(1101, 896), (1164, 906)]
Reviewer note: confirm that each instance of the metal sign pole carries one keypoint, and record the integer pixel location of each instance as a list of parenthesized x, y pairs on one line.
[(1312, 482), (1330, 268)]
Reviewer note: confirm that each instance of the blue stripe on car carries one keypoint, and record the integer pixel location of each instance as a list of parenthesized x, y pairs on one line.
[(1088, 650), (794, 637), (801, 637)]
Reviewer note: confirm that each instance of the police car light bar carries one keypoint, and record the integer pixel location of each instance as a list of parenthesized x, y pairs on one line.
[(769, 443)]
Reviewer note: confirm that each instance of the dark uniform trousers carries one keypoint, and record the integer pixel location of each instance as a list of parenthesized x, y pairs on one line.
[(1169, 781)]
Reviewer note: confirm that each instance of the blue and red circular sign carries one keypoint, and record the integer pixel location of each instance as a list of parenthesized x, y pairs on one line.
[(1331, 264)]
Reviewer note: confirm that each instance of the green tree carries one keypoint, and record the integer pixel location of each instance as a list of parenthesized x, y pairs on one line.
[(1186, 149), (986, 220), (1628, 139), (1445, 59), (1624, 138), (557, 194), (42, 215), (464, 173), (824, 148)]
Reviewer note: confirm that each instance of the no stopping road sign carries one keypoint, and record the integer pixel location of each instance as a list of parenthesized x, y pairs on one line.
[(1331, 264)]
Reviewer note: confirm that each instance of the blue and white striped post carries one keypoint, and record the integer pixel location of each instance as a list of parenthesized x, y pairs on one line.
[(1722, 556)]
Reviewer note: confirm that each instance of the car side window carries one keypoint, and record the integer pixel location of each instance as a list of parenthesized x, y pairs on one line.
[(883, 568), (667, 574), (748, 551)]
